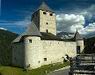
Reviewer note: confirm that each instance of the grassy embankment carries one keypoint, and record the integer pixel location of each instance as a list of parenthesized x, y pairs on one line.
[(8, 70)]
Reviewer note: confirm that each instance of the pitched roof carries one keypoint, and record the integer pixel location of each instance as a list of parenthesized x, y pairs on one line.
[(78, 36), (44, 6), (49, 36), (31, 31)]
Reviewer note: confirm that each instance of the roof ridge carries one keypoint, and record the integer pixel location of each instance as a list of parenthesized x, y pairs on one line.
[(78, 36), (33, 28), (44, 6), (32, 31)]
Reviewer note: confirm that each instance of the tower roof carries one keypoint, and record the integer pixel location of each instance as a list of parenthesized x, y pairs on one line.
[(44, 6), (78, 36), (31, 31)]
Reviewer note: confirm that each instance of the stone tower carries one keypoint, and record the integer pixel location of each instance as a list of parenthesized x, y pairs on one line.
[(79, 42), (45, 19), (28, 52)]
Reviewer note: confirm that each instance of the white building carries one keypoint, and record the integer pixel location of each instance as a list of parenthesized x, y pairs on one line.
[(40, 45)]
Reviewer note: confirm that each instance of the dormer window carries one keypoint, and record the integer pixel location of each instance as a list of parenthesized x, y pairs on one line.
[(51, 14), (44, 12)]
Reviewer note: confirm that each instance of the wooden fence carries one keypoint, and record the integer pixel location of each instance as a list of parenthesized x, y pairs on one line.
[(82, 64)]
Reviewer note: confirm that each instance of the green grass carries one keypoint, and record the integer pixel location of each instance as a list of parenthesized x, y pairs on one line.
[(7, 70)]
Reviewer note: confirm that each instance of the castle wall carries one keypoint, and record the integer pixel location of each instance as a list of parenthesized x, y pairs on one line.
[(42, 52), (51, 20), (81, 44), (54, 51), (18, 54), (33, 52)]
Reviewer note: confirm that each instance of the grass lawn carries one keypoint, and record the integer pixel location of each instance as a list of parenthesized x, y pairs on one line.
[(7, 70)]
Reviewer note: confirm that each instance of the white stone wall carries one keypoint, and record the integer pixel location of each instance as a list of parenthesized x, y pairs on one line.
[(51, 20), (33, 52), (81, 44), (54, 51), (31, 55), (41, 19)]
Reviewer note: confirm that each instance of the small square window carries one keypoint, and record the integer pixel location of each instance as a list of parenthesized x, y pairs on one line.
[(44, 12), (38, 61), (51, 14), (47, 23), (78, 49), (15, 58), (30, 40), (46, 30), (45, 59)]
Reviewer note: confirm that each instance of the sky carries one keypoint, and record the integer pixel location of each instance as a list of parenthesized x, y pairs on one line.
[(71, 15)]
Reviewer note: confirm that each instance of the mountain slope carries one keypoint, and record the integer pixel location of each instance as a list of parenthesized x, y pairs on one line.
[(6, 37), (66, 35)]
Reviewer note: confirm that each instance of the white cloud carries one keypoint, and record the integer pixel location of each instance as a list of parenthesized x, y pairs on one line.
[(70, 22), (89, 12), (22, 23), (92, 9), (88, 29), (3, 28), (0, 7)]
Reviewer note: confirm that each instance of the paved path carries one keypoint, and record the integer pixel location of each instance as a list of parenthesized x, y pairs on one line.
[(60, 72)]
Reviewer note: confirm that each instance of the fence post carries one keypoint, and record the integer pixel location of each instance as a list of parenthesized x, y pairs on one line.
[(71, 67)]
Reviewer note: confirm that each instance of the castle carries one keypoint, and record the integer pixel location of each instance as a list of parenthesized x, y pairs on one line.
[(40, 45)]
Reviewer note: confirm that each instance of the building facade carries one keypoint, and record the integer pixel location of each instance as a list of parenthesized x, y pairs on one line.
[(40, 45)]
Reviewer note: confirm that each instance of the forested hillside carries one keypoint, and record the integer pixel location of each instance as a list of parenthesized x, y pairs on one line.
[(6, 37), (90, 45)]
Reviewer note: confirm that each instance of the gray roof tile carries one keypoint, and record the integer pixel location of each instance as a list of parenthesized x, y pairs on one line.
[(32, 30), (78, 36), (44, 6)]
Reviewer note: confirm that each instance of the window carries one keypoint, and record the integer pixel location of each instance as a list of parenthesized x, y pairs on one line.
[(47, 23), (51, 14), (46, 30), (44, 12), (78, 49), (38, 61), (30, 41), (15, 59), (45, 59)]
